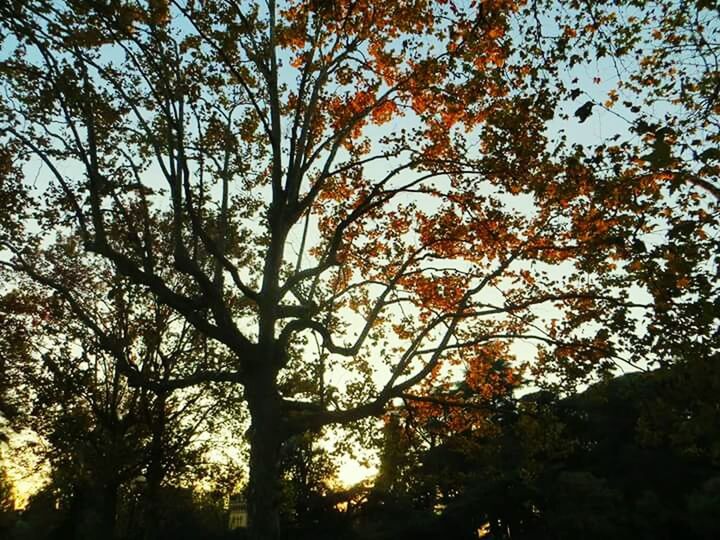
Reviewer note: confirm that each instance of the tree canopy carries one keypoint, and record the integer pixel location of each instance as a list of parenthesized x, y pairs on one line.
[(355, 201)]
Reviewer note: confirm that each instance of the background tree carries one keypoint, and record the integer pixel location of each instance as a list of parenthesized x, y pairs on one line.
[(309, 472), (587, 464), (101, 431), (226, 158)]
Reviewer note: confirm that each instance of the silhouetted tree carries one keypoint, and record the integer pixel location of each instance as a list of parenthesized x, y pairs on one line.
[(192, 145)]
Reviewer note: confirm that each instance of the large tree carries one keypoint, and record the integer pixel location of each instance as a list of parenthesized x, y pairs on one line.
[(348, 197)]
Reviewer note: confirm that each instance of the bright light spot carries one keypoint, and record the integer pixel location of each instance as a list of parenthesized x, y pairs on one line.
[(352, 472), (483, 531), (26, 470)]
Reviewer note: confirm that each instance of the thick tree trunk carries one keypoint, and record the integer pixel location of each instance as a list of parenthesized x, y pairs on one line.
[(98, 508), (109, 510), (267, 434)]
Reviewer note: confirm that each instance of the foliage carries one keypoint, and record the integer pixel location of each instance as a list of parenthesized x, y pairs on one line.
[(13, 347), (581, 466)]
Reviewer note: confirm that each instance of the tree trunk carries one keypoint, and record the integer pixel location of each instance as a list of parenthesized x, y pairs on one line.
[(155, 472), (267, 434), (97, 507)]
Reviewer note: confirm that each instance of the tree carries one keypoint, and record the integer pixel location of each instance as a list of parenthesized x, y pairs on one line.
[(228, 158), (99, 432), (308, 471), (614, 460)]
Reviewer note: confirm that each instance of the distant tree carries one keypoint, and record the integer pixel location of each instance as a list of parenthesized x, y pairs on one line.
[(702, 507), (308, 473), (102, 429), (608, 462)]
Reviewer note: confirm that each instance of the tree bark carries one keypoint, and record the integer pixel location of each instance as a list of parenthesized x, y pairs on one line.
[(267, 433)]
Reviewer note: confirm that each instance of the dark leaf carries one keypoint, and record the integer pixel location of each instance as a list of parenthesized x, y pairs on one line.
[(660, 156), (711, 154), (584, 111)]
